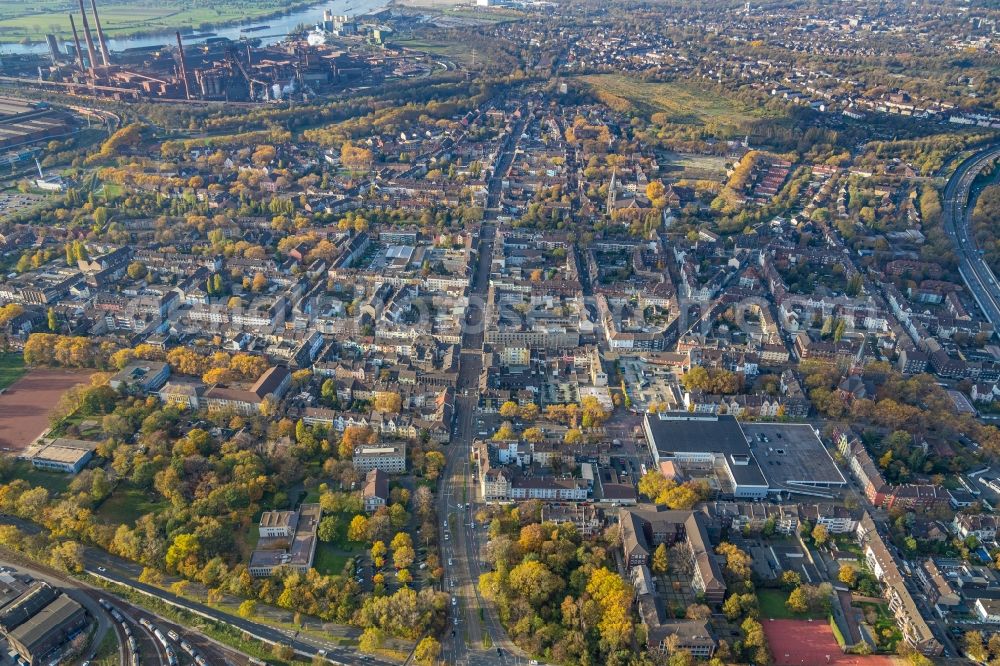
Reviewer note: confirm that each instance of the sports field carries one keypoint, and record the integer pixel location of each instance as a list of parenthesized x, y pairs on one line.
[(26, 404), (811, 643)]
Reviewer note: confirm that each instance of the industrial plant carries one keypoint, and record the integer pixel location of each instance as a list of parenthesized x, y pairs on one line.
[(213, 69)]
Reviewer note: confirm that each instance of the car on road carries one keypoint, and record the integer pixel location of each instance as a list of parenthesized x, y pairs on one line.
[(449, 562), (101, 569)]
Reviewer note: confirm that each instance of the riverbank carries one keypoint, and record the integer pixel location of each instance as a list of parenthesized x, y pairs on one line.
[(122, 22)]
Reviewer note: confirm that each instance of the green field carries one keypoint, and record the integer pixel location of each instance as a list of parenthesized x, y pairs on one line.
[(330, 559), (126, 505), (878, 616), (107, 650), (687, 165), (55, 482), (772, 605), (31, 21), (11, 369), (682, 102), (452, 50)]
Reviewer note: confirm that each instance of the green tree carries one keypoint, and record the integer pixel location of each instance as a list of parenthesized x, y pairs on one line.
[(370, 640), (248, 608), (661, 563), (327, 530), (791, 579), (427, 651), (797, 601), (137, 270)]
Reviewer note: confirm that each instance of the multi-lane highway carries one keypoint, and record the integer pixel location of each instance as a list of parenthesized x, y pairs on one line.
[(978, 277), (95, 600), (101, 564)]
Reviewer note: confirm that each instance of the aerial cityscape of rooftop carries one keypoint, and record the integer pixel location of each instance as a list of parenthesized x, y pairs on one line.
[(514, 332)]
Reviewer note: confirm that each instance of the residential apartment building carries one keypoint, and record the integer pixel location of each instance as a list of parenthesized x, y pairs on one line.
[(390, 458), (645, 528), (883, 565)]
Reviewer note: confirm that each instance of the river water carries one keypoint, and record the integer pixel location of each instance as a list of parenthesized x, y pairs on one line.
[(280, 26)]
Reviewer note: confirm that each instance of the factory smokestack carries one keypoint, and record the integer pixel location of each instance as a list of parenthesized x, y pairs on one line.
[(91, 53), (76, 40), (184, 70), (105, 56)]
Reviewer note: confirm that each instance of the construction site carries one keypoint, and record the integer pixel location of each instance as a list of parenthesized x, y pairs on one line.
[(214, 69)]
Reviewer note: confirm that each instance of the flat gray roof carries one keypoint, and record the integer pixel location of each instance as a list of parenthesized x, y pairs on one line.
[(684, 432), (793, 455)]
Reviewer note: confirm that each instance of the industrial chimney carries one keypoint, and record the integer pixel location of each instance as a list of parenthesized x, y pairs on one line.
[(91, 54), (105, 56), (184, 71), (76, 40)]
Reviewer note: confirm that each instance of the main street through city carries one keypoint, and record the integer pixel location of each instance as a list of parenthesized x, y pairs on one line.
[(475, 635), (957, 223)]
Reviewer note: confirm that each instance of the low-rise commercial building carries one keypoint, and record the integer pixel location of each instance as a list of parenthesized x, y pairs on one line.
[(287, 539), (60, 455), (40, 621)]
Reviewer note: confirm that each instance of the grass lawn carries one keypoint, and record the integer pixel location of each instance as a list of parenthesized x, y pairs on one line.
[(493, 15), (331, 558), (107, 651), (126, 505), (887, 633), (55, 482), (697, 166), (455, 50), (684, 103), (772, 605), (847, 544), (11, 368), (77, 419)]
